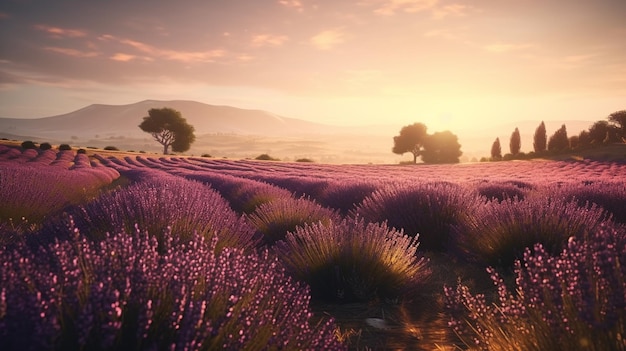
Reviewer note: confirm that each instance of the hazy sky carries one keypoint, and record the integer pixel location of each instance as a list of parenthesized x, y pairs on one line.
[(448, 64)]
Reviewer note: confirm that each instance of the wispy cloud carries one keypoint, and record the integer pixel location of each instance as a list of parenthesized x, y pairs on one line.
[(294, 4), (391, 7), (61, 32), (328, 39), (268, 40), (4, 15), (72, 52), (122, 57), (452, 10), (154, 52)]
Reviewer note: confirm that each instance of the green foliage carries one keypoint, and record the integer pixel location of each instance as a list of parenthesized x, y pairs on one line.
[(28, 145), (168, 127), (515, 144), (441, 147), (619, 119), (602, 132), (540, 139), (558, 141), (65, 147), (411, 139), (496, 150)]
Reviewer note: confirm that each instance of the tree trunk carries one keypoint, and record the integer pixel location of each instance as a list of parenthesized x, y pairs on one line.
[(165, 147)]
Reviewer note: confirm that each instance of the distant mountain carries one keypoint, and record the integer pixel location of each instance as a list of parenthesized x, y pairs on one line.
[(123, 121)]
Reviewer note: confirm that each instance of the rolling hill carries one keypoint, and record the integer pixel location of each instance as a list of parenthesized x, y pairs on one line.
[(122, 121)]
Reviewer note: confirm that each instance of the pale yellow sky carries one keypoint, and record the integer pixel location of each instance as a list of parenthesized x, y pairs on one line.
[(454, 65)]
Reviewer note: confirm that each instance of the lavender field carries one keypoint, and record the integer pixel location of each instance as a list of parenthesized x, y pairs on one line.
[(142, 252)]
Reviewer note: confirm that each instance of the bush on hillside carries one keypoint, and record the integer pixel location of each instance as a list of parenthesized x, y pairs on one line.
[(266, 157), (45, 146), (28, 145)]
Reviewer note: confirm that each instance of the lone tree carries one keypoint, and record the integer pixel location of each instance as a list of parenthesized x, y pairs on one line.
[(515, 144), (559, 141), (411, 139), (496, 150), (540, 138), (169, 128), (441, 147)]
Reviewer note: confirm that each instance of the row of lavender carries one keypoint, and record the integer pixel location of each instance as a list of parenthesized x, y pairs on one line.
[(37, 183), (339, 239), (91, 277), (567, 212)]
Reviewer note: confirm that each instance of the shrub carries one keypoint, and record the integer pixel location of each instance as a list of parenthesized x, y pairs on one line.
[(571, 301), (28, 145), (498, 232), (160, 202), (427, 209), (300, 186), (81, 151), (609, 195), (45, 146), (266, 157), (277, 217), (206, 155), (111, 148), (65, 147), (120, 294), (503, 190), (250, 194), (353, 261), (304, 160), (344, 195)]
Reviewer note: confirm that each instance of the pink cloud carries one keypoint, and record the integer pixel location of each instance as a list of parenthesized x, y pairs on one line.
[(454, 10), (327, 39), (58, 32), (122, 57), (269, 40), (72, 52), (154, 52), (294, 4), (391, 7)]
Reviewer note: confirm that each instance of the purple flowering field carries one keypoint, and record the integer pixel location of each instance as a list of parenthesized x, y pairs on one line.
[(143, 252)]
